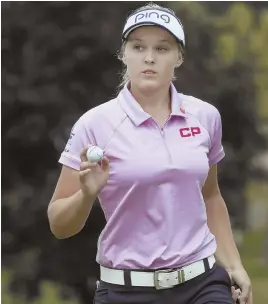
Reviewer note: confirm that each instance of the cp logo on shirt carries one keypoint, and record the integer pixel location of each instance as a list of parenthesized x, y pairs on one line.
[(188, 132)]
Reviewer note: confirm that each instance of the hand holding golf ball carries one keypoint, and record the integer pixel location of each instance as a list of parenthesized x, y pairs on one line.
[(94, 154), (94, 170)]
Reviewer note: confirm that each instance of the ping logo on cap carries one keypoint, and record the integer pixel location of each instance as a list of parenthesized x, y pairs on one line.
[(158, 17), (152, 15)]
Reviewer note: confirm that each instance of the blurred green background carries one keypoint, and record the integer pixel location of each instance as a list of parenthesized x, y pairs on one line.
[(58, 61)]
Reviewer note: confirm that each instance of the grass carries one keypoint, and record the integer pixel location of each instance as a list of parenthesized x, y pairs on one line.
[(252, 256), (260, 294)]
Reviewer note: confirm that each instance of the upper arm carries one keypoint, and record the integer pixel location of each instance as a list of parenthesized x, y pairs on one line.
[(80, 137), (67, 185), (215, 153), (214, 126), (211, 186)]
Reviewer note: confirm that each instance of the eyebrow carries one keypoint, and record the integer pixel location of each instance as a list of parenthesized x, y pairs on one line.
[(135, 39), (140, 40)]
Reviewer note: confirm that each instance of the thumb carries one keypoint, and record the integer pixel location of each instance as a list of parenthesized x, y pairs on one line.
[(105, 164)]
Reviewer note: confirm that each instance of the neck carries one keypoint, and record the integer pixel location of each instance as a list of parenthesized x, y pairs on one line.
[(154, 101)]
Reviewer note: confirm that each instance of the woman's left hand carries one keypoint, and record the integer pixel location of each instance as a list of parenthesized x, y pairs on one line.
[(236, 292), (240, 277)]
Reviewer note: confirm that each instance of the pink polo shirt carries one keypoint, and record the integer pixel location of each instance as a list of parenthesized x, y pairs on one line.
[(153, 204)]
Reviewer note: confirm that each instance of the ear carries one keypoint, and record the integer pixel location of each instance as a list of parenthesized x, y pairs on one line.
[(179, 61)]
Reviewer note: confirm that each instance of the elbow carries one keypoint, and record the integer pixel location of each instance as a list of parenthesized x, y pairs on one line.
[(59, 236), (58, 230), (61, 233), (60, 225)]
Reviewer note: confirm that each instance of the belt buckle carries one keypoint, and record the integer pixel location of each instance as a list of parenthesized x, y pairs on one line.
[(180, 277)]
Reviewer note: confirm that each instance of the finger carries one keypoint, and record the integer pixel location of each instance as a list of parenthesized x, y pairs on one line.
[(250, 299), (243, 298), (235, 290), (235, 294), (83, 154), (105, 164), (84, 173), (87, 165)]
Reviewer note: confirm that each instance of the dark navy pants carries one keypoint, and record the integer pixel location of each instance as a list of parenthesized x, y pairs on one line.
[(211, 287)]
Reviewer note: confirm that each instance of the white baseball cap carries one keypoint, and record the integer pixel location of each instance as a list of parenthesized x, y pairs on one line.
[(158, 17)]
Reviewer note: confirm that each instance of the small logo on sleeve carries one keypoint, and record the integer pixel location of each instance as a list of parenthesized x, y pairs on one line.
[(190, 132)]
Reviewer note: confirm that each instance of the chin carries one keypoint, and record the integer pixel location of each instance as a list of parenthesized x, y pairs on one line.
[(149, 85)]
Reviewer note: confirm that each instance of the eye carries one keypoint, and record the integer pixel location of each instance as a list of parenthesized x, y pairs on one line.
[(138, 47), (161, 49)]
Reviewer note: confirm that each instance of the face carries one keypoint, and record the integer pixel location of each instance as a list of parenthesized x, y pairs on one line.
[(151, 55)]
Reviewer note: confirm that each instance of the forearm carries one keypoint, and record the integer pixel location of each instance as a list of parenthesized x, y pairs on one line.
[(68, 216), (219, 224)]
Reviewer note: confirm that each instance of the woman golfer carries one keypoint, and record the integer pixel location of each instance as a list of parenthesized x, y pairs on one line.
[(168, 237)]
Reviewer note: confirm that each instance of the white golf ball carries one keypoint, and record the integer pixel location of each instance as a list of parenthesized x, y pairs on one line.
[(94, 154)]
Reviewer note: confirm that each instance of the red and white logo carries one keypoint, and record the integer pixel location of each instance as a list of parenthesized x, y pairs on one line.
[(188, 132)]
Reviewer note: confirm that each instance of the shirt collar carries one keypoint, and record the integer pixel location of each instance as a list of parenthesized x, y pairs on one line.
[(135, 112)]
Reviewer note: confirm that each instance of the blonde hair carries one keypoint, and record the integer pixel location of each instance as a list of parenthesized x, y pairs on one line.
[(124, 78)]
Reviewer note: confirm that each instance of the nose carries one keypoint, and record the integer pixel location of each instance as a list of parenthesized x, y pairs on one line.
[(149, 58)]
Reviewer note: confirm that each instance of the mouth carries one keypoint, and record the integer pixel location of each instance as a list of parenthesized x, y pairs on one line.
[(148, 72)]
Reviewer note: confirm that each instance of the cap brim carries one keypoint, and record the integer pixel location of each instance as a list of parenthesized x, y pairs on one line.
[(132, 28)]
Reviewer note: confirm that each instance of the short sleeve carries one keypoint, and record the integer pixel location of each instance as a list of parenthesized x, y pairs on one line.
[(216, 151), (79, 138)]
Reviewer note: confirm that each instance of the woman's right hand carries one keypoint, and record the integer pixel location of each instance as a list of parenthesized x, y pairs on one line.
[(93, 176)]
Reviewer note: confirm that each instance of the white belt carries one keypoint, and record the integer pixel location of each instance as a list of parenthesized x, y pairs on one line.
[(160, 279)]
